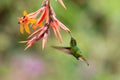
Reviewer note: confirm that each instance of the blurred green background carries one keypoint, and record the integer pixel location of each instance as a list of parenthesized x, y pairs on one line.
[(95, 24)]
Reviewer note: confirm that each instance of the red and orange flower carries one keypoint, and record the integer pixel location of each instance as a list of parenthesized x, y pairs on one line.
[(41, 21)]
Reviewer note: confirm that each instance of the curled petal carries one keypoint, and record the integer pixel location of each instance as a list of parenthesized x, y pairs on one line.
[(20, 19), (21, 29), (60, 24), (47, 14), (63, 27), (52, 11), (61, 2), (40, 19), (44, 40), (25, 13), (41, 9), (40, 31), (34, 27), (27, 47), (57, 31), (43, 31), (38, 25), (59, 35), (23, 41), (27, 28), (32, 21), (36, 32), (35, 14), (39, 37), (53, 29), (30, 42)]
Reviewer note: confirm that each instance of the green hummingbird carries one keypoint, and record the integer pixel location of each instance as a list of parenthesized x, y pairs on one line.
[(72, 50)]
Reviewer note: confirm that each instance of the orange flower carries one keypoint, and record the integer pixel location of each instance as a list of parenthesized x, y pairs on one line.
[(46, 16), (29, 19), (25, 21)]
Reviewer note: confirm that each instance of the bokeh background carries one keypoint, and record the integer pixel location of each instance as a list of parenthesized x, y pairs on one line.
[(95, 24)]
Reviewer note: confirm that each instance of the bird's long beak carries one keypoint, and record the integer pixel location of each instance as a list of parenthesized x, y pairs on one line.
[(83, 59)]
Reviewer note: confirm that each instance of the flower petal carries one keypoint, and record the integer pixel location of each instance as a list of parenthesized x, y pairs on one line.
[(60, 24), (21, 29), (30, 42), (59, 35), (20, 19), (63, 27), (23, 41), (44, 40), (36, 13), (61, 2), (43, 30), (25, 13), (57, 32), (41, 17), (27, 47), (34, 33), (32, 21), (40, 25), (52, 11), (53, 29), (27, 28), (35, 26)]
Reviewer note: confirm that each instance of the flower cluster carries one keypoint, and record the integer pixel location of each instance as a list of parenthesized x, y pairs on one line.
[(41, 21)]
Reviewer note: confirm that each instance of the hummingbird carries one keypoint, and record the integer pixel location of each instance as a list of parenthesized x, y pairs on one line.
[(73, 50)]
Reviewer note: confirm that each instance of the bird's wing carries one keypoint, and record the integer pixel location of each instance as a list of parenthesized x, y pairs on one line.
[(64, 49), (83, 59)]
